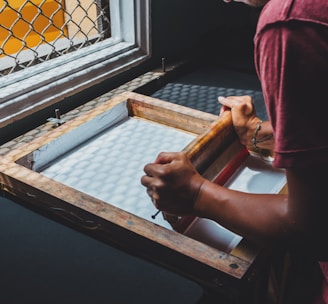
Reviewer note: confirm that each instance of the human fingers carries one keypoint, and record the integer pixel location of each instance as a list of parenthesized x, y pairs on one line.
[(152, 169), (227, 103), (222, 100), (231, 101), (243, 104), (167, 157), (154, 177), (153, 194), (149, 183), (167, 166), (149, 179), (223, 109)]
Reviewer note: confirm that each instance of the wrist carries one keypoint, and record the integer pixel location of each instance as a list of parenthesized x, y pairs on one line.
[(254, 139), (202, 199), (261, 136), (197, 185)]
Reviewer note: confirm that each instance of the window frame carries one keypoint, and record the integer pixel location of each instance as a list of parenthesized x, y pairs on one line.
[(34, 88)]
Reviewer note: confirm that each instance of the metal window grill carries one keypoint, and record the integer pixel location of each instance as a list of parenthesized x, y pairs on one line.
[(34, 31)]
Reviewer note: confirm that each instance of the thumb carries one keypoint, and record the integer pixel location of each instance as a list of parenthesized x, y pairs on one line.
[(223, 107)]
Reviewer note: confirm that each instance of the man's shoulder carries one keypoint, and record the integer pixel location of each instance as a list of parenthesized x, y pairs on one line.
[(283, 11)]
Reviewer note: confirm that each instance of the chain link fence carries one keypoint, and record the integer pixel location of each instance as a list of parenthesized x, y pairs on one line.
[(35, 31)]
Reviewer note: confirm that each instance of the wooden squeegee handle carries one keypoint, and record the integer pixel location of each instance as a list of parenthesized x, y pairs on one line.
[(204, 149), (223, 122), (207, 145)]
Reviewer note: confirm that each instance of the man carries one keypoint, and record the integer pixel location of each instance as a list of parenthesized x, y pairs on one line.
[(291, 58)]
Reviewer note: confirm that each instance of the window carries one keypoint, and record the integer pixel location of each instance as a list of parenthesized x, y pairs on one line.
[(80, 58), (33, 31)]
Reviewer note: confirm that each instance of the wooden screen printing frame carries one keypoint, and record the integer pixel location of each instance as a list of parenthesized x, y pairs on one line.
[(229, 274)]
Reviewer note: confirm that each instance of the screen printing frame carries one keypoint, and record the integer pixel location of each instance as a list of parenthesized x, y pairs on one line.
[(215, 145)]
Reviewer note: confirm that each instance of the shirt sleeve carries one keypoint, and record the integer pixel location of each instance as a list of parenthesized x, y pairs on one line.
[(292, 64)]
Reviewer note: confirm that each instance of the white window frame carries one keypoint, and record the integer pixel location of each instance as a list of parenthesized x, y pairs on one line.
[(32, 89)]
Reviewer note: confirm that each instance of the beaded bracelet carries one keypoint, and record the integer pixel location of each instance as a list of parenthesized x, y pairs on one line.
[(254, 141)]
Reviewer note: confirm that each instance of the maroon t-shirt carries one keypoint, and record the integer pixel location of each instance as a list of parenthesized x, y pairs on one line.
[(291, 57)]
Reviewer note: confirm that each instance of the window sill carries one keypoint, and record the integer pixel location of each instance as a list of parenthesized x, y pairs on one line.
[(43, 85)]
